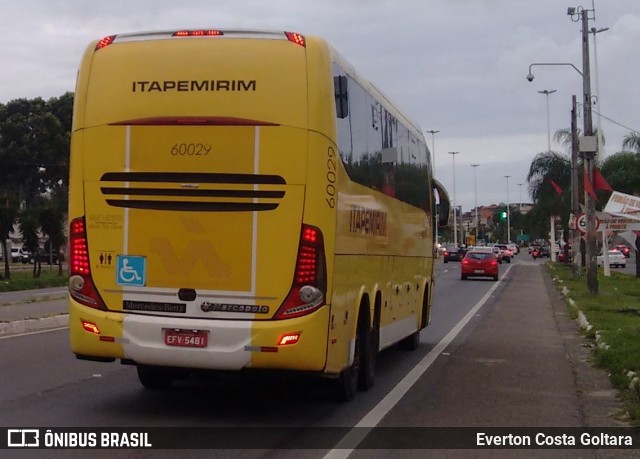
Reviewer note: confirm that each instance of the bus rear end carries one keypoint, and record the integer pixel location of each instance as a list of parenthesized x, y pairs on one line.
[(190, 244)]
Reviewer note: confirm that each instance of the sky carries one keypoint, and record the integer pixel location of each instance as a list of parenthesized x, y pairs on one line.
[(455, 66)]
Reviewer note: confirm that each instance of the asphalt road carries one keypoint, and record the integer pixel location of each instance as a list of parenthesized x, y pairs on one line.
[(44, 385)]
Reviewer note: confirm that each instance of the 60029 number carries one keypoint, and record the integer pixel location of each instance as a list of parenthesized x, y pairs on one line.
[(330, 188), (191, 149)]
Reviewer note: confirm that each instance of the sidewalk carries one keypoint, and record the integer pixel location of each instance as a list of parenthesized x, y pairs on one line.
[(32, 310), (521, 363)]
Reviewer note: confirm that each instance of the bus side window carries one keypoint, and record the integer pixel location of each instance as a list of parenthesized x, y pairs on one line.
[(341, 95)]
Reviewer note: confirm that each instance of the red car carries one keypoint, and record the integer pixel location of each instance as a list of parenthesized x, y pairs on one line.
[(624, 249), (479, 264)]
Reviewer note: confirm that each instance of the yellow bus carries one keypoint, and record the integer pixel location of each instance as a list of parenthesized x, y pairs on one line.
[(243, 199)]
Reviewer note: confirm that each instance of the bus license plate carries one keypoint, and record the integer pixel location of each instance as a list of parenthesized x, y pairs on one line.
[(185, 338)]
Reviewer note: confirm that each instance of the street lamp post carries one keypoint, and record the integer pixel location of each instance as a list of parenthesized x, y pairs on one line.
[(546, 92), (520, 207), (508, 212), (455, 222), (595, 31), (475, 188), (433, 168), (589, 151)]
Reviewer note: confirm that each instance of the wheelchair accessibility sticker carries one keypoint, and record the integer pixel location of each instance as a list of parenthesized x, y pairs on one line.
[(131, 270)]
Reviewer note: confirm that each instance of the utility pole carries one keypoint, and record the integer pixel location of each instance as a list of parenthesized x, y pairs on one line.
[(589, 155), (508, 212), (475, 188), (576, 252), (455, 222)]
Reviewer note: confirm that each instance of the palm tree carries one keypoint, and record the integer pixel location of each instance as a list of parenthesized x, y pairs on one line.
[(548, 167), (632, 142), (564, 137)]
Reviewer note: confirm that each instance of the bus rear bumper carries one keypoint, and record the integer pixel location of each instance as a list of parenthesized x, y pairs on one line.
[(230, 344)]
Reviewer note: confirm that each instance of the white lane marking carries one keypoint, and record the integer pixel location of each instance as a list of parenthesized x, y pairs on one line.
[(373, 417)]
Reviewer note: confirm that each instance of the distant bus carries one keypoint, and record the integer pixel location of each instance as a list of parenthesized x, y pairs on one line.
[(244, 200)]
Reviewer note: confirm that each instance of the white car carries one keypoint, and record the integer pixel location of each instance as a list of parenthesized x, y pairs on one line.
[(15, 254), (616, 259)]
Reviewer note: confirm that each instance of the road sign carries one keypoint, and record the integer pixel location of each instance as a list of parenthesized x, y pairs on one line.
[(581, 224), (623, 203), (608, 222)]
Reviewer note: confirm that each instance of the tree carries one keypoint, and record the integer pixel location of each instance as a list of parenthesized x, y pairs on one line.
[(622, 171), (632, 141), (8, 216), (34, 153), (30, 228), (52, 225), (545, 168)]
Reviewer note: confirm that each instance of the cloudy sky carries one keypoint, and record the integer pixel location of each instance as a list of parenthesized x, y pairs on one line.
[(456, 66)]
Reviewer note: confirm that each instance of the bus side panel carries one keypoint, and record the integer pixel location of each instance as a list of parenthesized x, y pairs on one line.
[(321, 98), (380, 242)]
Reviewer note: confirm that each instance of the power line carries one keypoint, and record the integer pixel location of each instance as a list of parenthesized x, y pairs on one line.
[(613, 121)]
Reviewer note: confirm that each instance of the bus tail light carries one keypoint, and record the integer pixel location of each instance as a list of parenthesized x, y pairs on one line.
[(198, 33), (106, 41), (310, 277), (296, 38), (289, 338), (90, 327), (81, 286)]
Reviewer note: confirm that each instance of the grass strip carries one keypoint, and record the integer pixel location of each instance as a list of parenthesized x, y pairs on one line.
[(614, 314)]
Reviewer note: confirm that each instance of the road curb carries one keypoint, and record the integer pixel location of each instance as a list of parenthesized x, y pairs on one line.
[(32, 325), (37, 298)]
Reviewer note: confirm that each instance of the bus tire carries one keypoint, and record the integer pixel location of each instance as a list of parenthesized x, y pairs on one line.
[(368, 353), (346, 385), (348, 382), (155, 378), (411, 342)]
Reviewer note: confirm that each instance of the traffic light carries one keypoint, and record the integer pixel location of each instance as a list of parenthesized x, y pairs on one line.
[(503, 216)]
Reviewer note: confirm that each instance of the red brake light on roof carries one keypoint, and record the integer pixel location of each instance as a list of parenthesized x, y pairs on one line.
[(106, 41), (198, 33), (296, 38)]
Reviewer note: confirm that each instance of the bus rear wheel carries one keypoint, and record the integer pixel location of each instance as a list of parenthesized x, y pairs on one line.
[(346, 385), (360, 374), (369, 353), (155, 378), (411, 342)]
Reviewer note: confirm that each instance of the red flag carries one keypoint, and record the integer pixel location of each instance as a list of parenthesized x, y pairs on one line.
[(599, 183), (588, 187), (556, 187)]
